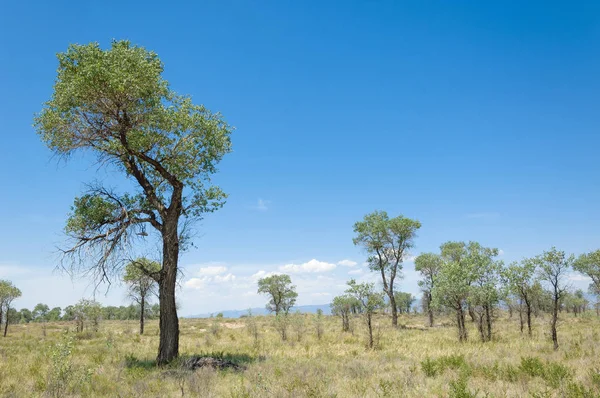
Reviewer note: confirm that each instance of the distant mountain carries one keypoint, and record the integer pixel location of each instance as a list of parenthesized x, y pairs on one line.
[(307, 309)]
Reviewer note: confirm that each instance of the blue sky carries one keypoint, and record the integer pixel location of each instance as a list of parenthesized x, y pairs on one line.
[(480, 119)]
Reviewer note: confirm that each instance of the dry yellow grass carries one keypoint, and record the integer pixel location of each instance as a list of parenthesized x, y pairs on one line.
[(413, 361)]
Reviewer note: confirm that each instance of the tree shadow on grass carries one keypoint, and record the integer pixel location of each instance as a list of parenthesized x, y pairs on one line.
[(217, 360)]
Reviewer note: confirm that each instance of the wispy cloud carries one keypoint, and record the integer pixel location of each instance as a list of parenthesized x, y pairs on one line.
[(347, 263), (262, 205)]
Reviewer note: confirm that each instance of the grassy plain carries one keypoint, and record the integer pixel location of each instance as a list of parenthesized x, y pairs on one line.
[(411, 361)]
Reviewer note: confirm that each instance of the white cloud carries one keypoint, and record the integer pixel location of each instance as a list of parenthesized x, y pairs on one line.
[(324, 294), (224, 278), (311, 266), (211, 271), (195, 283), (347, 263), (501, 252), (356, 271), (409, 258), (209, 276)]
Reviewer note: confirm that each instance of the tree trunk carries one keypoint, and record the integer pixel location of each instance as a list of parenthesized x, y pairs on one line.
[(480, 326), (142, 305), (528, 318), (488, 320), (168, 348), (394, 309), (521, 321), (6, 321), (471, 313), (370, 326), (429, 309), (460, 319), (554, 321)]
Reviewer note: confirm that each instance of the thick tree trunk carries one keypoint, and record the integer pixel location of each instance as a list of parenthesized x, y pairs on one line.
[(554, 322), (142, 309), (488, 319), (168, 348)]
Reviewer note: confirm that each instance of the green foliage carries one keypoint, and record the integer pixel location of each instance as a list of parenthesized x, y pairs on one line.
[(404, 301), (281, 291), (365, 294), (429, 265), (386, 241), (589, 265), (459, 389), (555, 374), (434, 367)]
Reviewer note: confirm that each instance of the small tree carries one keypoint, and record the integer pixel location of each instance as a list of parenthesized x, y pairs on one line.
[(386, 241), (319, 323), (8, 293), (520, 280), (281, 292), (343, 306), (404, 302), (429, 265), (553, 266), (141, 278), (369, 301), (87, 312), (40, 312), (298, 324)]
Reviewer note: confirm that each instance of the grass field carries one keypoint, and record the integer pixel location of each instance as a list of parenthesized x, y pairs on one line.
[(411, 361)]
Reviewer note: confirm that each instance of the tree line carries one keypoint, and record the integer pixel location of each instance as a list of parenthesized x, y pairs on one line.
[(465, 279)]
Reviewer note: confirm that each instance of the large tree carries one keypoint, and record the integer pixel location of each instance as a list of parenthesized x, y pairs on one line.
[(115, 104), (141, 277), (429, 265), (553, 266), (8, 294), (281, 292), (386, 241)]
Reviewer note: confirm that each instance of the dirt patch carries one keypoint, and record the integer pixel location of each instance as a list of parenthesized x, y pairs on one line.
[(194, 363)]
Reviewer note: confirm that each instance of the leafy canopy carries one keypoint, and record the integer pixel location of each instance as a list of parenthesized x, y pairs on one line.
[(115, 104)]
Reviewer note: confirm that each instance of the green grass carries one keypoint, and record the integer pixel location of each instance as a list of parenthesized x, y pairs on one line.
[(407, 362)]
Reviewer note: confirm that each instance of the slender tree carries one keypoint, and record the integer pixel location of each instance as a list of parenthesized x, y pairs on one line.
[(386, 241), (484, 293), (453, 283), (115, 104), (281, 292), (553, 266), (429, 265), (141, 277), (342, 306), (369, 300), (8, 294), (521, 279)]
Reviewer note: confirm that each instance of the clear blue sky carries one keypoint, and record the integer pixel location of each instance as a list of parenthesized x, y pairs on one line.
[(478, 118)]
